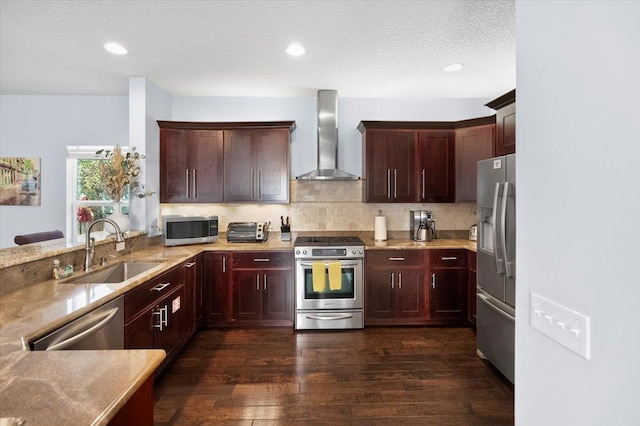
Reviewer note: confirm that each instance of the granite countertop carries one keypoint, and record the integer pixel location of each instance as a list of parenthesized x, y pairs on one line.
[(89, 387)]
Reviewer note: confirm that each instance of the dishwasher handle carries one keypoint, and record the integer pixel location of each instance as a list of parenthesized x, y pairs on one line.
[(93, 327)]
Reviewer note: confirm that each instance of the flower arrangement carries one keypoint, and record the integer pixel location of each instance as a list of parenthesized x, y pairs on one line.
[(121, 170)]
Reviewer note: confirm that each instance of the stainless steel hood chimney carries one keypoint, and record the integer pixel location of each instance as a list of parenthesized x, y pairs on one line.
[(327, 140)]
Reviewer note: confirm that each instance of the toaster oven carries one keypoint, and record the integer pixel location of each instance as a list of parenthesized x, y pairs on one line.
[(247, 232)]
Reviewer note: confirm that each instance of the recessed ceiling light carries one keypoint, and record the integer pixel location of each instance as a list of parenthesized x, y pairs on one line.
[(295, 49), (453, 67), (115, 48)]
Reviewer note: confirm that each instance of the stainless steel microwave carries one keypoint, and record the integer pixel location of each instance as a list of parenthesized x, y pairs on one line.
[(181, 230)]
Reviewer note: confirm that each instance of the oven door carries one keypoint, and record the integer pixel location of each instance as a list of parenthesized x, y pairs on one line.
[(347, 295)]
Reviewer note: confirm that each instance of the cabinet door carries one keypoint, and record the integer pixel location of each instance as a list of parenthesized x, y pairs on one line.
[(239, 166), (272, 165), (506, 130), (215, 288), (247, 295), (207, 162), (171, 310), (448, 294), (138, 333), (411, 294), (436, 154), (472, 287), (472, 145), (174, 166), (390, 166), (380, 297), (277, 295), (189, 304)]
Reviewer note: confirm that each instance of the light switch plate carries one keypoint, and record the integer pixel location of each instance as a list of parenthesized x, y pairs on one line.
[(566, 326)]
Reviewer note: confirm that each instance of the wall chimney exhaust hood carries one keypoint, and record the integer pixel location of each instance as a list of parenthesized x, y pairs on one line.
[(327, 141)]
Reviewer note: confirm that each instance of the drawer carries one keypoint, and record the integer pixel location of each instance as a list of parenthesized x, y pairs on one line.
[(263, 259), (448, 258), (151, 292), (394, 258)]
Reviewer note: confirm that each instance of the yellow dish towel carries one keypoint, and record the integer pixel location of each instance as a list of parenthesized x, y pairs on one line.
[(335, 275), (319, 276)]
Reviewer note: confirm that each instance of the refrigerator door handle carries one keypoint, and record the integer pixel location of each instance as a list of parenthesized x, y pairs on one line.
[(508, 265), (493, 307), (496, 248)]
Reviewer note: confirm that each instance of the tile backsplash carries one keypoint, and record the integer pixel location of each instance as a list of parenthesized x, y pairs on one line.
[(330, 206)]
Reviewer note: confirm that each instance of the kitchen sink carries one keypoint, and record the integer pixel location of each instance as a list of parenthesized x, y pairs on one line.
[(115, 274)]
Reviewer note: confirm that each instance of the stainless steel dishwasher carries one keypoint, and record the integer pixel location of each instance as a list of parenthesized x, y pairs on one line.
[(102, 328)]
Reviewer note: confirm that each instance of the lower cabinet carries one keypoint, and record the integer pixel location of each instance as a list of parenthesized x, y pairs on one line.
[(154, 313), (216, 291), (448, 286), (472, 287), (262, 287), (395, 290)]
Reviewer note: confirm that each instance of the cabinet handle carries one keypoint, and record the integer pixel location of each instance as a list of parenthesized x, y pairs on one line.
[(195, 184), (265, 282), (388, 183), (424, 184), (162, 312), (160, 287), (258, 185), (257, 282), (189, 265), (395, 183), (449, 258), (400, 280), (398, 259), (262, 259), (224, 264), (159, 325), (433, 280), (253, 172), (165, 311), (392, 278), (186, 188)]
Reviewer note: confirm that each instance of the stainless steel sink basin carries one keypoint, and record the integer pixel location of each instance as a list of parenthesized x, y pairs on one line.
[(115, 274)]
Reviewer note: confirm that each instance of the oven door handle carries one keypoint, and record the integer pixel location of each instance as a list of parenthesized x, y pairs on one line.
[(330, 318), (343, 264)]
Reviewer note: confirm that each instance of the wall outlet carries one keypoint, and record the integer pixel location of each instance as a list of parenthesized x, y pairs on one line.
[(566, 326)]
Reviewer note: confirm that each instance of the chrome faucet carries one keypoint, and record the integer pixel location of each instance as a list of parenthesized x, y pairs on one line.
[(89, 246)]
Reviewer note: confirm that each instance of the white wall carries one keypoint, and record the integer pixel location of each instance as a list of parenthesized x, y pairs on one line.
[(42, 126), (578, 133)]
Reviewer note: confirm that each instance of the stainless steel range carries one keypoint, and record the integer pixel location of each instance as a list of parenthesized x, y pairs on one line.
[(329, 283)]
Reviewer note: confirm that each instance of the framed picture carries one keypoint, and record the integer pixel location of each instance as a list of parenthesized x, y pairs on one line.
[(20, 181)]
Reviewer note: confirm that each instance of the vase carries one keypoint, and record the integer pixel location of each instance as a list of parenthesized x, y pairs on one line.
[(118, 217)]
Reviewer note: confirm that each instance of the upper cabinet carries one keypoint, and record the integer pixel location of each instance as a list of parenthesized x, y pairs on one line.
[(256, 165), (436, 173), (389, 166), (203, 162), (505, 106), (474, 142), (191, 166)]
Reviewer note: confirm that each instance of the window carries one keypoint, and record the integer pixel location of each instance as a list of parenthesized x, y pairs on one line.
[(87, 200)]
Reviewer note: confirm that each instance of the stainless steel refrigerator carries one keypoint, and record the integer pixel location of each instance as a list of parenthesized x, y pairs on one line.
[(496, 264)]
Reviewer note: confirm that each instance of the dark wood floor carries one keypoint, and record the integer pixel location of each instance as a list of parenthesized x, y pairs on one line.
[(376, 376)]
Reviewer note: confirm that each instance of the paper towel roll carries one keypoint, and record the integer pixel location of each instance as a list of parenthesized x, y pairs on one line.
[(380, 233)]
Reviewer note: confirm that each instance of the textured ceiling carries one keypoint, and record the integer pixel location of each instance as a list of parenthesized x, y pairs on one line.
[(236, 48)]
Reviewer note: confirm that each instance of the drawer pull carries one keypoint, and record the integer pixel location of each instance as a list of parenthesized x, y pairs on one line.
[(160, 287), (449, 258), (190, 264), (397, 259), (262, 260)]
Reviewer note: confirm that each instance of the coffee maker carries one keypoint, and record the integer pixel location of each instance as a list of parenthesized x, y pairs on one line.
[(422, 225)]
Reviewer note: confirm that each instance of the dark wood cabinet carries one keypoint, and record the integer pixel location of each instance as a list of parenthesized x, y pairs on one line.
[(436, 169), (395, 290), (472, 145), (216, 289), (256, 165), (191, 298), (505, 106), (448, 286), (389, 166), (472, 287), (262, 287), (191, 166), (154, 314)]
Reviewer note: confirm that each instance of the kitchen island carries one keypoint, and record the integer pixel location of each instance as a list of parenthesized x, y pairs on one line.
[(91, 387)]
